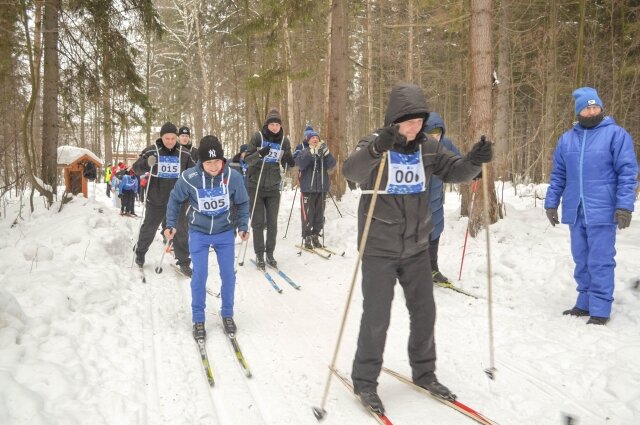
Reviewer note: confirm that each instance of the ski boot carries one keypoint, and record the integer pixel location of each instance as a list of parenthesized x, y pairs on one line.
[(271, 261), (370, 400), (199, 333), (229, 326), (432, 385), (308, 242), (315, 240), (575, 311), (595, 320), (260, 261), (139, 259), (185, 269)]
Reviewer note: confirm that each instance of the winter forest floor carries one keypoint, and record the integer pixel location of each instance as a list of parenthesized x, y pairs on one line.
[(83, 341)]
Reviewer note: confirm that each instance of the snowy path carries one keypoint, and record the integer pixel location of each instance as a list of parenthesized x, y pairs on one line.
[(82, 340)]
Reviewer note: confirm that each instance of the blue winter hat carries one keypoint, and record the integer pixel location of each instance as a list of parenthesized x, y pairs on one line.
[(309, 132), (586, 96)]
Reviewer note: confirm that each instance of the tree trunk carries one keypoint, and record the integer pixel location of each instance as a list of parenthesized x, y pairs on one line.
[(291, 122), (580, 46), (503, 110), (410, 42), (338, 64), (106, 94), (50, 94), (480, 49)]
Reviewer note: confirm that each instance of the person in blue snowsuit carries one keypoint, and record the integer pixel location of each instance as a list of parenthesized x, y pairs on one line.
[(211, 188), (435, 128), (314, 161), (128, 188), (595, 173)]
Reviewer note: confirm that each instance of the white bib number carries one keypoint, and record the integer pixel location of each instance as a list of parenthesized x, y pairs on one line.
[(275, 154), (213, 201), (168, 167), (406, 173)]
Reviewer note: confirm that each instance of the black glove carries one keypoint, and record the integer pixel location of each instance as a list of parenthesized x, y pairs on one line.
[(264, 151), (387, 137), (623, 217), (481, 152), (119, 195), (323, 150), (552, 215)]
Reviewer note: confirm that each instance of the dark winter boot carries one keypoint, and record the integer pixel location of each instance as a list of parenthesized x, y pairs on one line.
[(199, 333), (315, 240), (260, 261), (439, 278), (595, 320), (575, 311), (185, 270), (229, 326), (139, 259), (436, 388), (370, 400), (271, 261), (308, 243)]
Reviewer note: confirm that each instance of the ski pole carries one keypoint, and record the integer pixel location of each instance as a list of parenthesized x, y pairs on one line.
[(466, 233), (305, 211), (167, 248), (319, 412), (490, 371), (141, 220), (334, 203), (253, 210), (291, 210)]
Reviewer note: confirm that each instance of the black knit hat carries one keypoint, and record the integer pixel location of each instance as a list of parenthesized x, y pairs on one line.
[(168, 128), (184, 130), (273, 116), (210, 148), (411, 117)]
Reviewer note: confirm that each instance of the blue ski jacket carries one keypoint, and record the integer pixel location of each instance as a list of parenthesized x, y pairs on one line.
[(436, 186), (128, 183), (594, 167), (186, 189)]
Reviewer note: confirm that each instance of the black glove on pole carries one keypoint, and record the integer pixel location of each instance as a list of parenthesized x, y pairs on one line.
[(387, 137), (481, 152), (264, 151)]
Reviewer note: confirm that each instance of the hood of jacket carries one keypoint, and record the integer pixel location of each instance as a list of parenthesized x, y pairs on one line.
[(405, 99), (434, 121)]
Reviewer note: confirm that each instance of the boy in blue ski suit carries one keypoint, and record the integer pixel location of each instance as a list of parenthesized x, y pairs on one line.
[(435, 128), (594, 172), (128, 188), (211, 188)]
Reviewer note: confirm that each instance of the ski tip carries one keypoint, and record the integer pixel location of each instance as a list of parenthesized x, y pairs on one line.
[(319, 413)]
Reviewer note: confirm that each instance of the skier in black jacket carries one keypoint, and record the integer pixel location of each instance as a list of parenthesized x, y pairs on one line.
[(269, 148), (184, 138), (398, 240), (164, 160)]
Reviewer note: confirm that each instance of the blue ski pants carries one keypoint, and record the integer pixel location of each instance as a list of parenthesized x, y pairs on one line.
[(593, 250), (223, 245)]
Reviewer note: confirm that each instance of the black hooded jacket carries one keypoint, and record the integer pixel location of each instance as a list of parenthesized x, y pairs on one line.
[(401, 223), (271, 176), (158, 189)]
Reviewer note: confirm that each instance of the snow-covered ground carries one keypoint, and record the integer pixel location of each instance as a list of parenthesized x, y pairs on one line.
[(83, 341)]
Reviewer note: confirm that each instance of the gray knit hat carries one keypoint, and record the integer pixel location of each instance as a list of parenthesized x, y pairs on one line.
[(273, 116)]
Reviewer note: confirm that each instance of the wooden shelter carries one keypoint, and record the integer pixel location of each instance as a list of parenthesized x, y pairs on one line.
[(73, 161)]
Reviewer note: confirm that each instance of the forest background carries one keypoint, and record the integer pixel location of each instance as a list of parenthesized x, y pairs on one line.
[(105, 74)]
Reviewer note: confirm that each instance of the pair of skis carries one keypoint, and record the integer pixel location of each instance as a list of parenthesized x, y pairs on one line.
[(207, 365), (322, 252), (272, 282), (381, 418)]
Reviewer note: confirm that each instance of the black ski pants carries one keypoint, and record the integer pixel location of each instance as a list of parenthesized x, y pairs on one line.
[(265, 215), (379, 276), (433, 253), (312, 212), (154, 216)]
